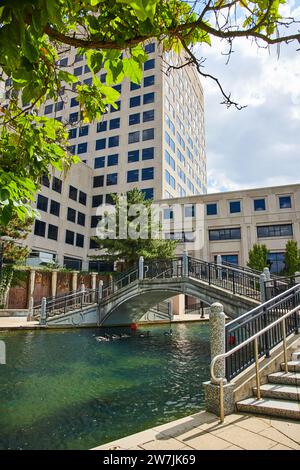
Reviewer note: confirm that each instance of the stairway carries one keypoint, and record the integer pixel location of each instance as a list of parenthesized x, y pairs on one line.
[(280, 397)]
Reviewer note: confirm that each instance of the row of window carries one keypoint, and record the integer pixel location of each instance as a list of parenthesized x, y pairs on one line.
[(148, 65), (111, 179), (134, 175), (275, 261), (284, 202), (132, 156), (137, 100), (71, 216), (98, 199), (56, 183), (52, 234), (263, 231)]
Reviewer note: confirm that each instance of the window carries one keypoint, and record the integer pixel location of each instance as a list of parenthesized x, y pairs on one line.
[(88, 81), (73, 193), (94, 220), (148, 153), (78, 58), (63, 62), (118, 107), (39, 228), (232, 259), (52, 232), (118, 88), (132, 176), (149, 64), (97, 200), (71, 215), (42, 203), (109, 199), (54, 208), (73, 133), (72, 149), (148, 115), (45, 181), (72, 263), (59, 106), (99, 162), (114, 123), (225, 234), (83, 131), (86, 69), (285, 202), (56, 184), (74, 102), (133, 156), (148, 193), (148, 98), (147, 173), (102, 126), (149, 81), (134, 86), (77, 71), (134, 119), (112, 179), (282, 230), (79, 240), (73, 117), (134, 101), (149, 48), (189, 211), (48, 109), (93, 244), (82, 148), (100, 144), (69, 237), (234, 207), (82, 198), (170, 141), (259, 204), (168, 214), (98, 181), (276, 262), (103, 77), (169, 160), (112, 159), (148, 134), (170, 179), (113, 141), (101, 266), (211, 209), (133, 137), (81, 218)]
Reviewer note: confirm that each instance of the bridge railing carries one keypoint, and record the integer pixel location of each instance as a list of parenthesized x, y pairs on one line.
[(274, 287), (239, 330), (122, 281), (232, 279), (159, 269)]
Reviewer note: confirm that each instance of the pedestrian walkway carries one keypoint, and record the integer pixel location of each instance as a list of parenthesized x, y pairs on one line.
[(203, 431), (17, 322)]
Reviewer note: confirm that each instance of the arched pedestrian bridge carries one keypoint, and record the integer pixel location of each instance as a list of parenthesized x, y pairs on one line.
[(129, 297)]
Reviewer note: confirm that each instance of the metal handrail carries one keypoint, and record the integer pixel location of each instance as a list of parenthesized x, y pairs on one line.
[(220, 380)]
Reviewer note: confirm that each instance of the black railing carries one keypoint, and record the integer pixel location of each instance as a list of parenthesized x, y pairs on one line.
[(159, 269), (274, 287), (123, 280), (254, 321), (197, 307)]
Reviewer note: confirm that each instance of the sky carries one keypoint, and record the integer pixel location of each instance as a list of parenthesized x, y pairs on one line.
[(259, 145)]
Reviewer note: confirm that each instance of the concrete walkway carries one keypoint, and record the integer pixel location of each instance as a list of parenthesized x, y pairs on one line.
[(17, 322), (203, 431)]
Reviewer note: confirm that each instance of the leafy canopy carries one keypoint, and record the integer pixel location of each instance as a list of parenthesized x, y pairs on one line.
[(34, 34)]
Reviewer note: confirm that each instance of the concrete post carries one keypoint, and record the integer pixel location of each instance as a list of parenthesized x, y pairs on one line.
[(267, 273), (174, 268), (43, 311), (297, 277), (219, 264), (94, 280), (262, 280), (30, 309), (31, 285), (219, 259), (141, 268), (100, 290), (74, 280), (217, 337), (54, 283), (170, 310), (185, 264)]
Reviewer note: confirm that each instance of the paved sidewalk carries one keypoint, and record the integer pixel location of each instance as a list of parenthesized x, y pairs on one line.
[(17, 322), (203, 431)]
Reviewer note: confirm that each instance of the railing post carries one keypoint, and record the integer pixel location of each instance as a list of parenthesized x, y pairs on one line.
[(233, 282), (174, 268), (266, 335), (262, 285), (219, 267), (297, 281), (141, 268), (217, 337), (170, 310), (185, 264), (100, 290), (267, 273), (43, 311)]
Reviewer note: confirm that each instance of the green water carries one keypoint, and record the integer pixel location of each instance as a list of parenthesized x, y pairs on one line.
[(64, 390)]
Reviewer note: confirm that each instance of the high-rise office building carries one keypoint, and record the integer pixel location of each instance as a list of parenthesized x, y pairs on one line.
[(153, 141)]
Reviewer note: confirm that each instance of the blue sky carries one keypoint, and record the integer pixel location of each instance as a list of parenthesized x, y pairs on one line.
[(259, 145)]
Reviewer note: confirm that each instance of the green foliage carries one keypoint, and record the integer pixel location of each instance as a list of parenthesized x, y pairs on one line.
[(258, 257), (129, 249), (15, 230), (292, 258)]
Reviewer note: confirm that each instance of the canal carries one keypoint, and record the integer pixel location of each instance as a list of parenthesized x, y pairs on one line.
[(62, 389)]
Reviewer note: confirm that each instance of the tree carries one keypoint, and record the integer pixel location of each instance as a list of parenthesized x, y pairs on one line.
[(35, 33), (292, 258), (130, 236), (258, 256)]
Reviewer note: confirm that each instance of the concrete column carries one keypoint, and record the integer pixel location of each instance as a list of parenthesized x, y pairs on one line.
[(267, 273), (54, 283), (185, 264), (262, 280), (141, 268), (74, 280), (94, 280), (178, 303), (100, 290), (217, 337), (219, 264), (219, 259), (170, 309), (297, 277), (82, 287), (43, 311), (30, 309), (31, 285)]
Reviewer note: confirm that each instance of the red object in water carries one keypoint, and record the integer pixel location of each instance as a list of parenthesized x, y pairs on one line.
[(231, 340), (133, 326)]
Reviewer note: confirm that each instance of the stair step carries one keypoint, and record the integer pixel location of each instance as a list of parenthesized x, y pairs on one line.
[(290, 378), (271, 406), (284, 392), (293, 366), (296, 356)]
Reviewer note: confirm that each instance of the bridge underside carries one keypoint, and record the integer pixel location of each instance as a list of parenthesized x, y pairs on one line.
[(130, 306)]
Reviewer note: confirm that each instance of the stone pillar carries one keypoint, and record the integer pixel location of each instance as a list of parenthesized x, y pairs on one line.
[(141, 268), (217, 346), (178, 304), (267, 273), (219, 259), (30, 309), (100, 290), (94, 280), (31, 285), (262, 280), (74, 280), (170, 310), (43, 311), (54, 283), (219, 264), (185, 264), (82, 287), (297, 277)]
